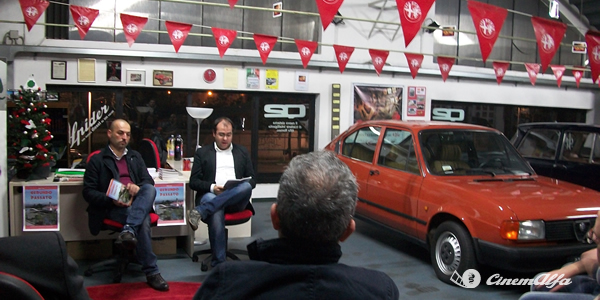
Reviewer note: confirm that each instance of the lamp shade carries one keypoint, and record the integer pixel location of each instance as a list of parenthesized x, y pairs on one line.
[(199, 112)]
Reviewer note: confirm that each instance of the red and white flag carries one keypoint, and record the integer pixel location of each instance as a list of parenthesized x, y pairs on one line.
[(488, 20), (306, 50), (445, 64), (412, 14), (328, 9), (378, 57), (532, 71), (548, 34), (232, 3), (592, 38), (578, 74), (264, 44), (414, 63), (343, 53), (178, 32), (83, 18), (559, 71), (32, 10), (132, 27), (224, 38), (500, 69)]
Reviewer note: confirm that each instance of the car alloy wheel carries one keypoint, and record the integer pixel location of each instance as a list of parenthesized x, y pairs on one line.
[(451, 250)]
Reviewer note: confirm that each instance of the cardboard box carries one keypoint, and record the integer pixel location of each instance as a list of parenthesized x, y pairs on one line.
[(92, 250), (164, 245)]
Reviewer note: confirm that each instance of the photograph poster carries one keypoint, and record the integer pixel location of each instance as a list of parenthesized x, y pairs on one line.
[(136, 77), (301, 81), (377, 103), (162, 78), (113, 71), (416, 101), (272, 79), (169, 203), (59, 70), (40, 208), (252, 78)]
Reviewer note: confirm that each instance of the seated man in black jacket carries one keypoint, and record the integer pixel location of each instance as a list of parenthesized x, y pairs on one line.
[(118, 162), (313, 213)]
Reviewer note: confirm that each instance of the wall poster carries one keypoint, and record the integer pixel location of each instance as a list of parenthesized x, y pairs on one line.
[(416, 101), (169, 204), (40, 208), (377, 102)]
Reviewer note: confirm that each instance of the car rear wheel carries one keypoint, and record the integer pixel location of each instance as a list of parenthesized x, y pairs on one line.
[(451, 250)]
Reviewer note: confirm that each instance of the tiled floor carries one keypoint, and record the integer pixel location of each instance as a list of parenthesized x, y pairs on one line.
[(370, 247)]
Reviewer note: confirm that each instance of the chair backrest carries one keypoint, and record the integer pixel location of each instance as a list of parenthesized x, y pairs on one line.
[(90, 156), (14, 287), (150, 153), (449, 160)]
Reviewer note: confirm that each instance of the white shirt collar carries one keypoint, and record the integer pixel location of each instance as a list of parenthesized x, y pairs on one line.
[(117, 157), (223, 150)]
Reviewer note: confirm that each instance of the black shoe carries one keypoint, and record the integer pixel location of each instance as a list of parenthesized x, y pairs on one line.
[(127, 240), (157, 282), (194, 218)]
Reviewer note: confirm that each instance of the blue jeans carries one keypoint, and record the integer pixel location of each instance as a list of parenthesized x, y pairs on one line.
[(137, 218), (582, 287), (213, 208)]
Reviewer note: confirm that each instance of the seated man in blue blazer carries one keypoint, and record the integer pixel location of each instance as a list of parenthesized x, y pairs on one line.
[(214, 165), (313, 213)]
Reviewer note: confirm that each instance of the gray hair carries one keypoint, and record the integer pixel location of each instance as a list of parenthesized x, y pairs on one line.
[(317, 197)]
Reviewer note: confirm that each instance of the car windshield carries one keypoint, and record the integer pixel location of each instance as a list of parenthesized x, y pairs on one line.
[(470, 152)]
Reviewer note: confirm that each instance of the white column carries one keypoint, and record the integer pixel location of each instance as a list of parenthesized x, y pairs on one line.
[(3, 159)]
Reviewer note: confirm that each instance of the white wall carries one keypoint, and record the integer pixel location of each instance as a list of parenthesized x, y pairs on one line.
[(3, 159)]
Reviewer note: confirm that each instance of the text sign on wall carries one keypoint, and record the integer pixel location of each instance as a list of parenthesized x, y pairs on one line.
[(90, 124), (289, 112)]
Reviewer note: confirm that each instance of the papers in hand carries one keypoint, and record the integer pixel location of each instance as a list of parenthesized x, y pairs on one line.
[(231, 183), (117, 191)]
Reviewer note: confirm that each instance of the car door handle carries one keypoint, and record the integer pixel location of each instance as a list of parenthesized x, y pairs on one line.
[(373, 172)]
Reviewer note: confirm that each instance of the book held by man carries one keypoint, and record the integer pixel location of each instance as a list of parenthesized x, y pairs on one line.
[(118, 191), (231, 183)]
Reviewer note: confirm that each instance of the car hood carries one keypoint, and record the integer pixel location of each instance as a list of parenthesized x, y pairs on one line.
[(528, 198)]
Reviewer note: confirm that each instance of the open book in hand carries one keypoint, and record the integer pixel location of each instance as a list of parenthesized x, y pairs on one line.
[(231, 183), (118, 191)]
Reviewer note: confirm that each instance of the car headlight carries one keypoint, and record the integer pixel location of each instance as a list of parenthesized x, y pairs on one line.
[(523, 230)]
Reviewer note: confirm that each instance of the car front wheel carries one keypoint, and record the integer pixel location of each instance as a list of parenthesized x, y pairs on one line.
[(451, 250)]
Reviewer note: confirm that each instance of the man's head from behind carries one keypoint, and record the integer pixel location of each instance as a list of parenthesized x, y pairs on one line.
[(316, 199)]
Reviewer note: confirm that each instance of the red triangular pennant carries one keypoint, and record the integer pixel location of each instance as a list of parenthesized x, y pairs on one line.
[(414, 63), (445, 64), (488, 20), (343, 53), (264, 44), (306, 50), (132, 27), (412, 14), (328, 9), (548, 34), (592, 38), (178, 32), (578, 74), (232, 3), (83, 18), (500, 70), (559, 71), (224, 38), (378, 57), (32, 10), (532, 70)]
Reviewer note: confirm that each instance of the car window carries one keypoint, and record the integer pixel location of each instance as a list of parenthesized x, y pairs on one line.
[(361, 144), (540, 143), (398, 151), (577, 146)]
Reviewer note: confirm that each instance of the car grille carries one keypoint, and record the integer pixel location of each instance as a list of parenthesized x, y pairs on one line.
[(569, 230)]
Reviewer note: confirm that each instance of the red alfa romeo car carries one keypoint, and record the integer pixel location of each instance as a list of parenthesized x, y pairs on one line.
[(464, 193)]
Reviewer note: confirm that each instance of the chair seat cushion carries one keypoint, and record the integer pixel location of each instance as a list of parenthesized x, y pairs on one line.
[(238, 217)]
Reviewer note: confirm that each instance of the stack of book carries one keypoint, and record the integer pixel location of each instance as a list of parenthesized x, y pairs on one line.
[(63, 174), (166, 174)]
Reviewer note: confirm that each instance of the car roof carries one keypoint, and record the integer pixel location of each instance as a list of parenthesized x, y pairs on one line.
[(419, 125), (560, 125)]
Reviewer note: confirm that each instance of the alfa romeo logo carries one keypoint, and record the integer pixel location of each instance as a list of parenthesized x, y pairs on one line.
[(177, 34), (378, 61), (131, 28), (445, 68), (577, 74), (596, 54), (331, 2), (83, 21), (499, 72), (547, 43), (223, 40), (264, 47), (487, 28), (414, 63), (559, 73), (31, 11), (343, 56), (305, 51), (412, 11)]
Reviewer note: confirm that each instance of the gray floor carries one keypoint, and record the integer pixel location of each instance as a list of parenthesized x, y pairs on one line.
[(371, 247)]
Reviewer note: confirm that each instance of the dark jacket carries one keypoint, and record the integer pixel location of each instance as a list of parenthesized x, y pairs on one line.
[(282, 269), (100, 169), (204, 168), (41, 259)]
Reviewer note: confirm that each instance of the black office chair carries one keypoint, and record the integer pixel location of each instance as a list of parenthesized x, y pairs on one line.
[(14, 287), (150, 153), (230, 219)]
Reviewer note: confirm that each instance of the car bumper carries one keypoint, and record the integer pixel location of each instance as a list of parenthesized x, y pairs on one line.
[(534, 259)]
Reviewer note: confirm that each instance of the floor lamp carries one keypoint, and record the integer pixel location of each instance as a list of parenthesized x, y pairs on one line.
[(199, 113)]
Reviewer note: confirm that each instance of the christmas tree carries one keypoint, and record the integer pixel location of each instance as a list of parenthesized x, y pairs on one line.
[(28, 136)]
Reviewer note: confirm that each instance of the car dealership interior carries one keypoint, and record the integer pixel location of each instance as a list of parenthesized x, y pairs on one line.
[(296, 77)]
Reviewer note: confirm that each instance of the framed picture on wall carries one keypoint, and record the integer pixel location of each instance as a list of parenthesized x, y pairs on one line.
[(113, 71), (162, 78), (59, 70), (136, 77)]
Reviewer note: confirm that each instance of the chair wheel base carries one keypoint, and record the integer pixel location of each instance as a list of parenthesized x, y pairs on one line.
[(195, 258), (204, 267)]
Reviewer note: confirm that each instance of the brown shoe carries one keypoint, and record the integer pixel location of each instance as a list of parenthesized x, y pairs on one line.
[(157, 282)]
